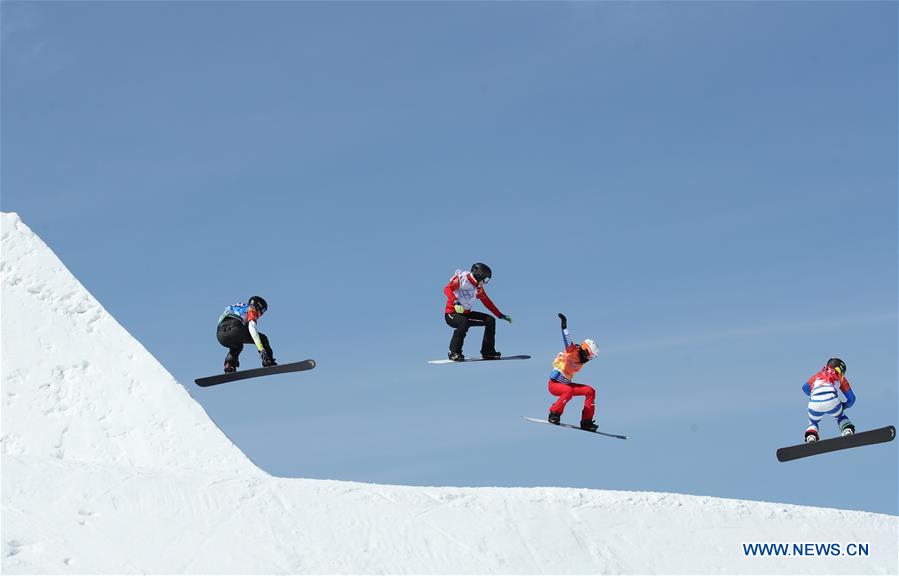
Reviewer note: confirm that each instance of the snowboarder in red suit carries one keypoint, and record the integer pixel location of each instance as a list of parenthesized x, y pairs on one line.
[(566, 364), (461, 292)]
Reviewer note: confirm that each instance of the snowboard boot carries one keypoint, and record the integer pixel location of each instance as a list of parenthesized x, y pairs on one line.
[(589, 425), (491, 355), (456, 356), (267, 360), (811, 435), (847, 428), (555, 418), (231, 364)]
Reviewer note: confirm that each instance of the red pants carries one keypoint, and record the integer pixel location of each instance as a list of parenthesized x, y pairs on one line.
[(566, 392)]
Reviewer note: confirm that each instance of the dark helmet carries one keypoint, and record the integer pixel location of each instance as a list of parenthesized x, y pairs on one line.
[(837, 364), (481, 271), (259, 304)]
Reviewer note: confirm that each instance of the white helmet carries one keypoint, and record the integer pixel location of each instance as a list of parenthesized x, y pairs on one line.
[(590, 348)]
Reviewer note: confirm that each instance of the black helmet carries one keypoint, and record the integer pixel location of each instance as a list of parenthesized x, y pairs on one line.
[(837, 364), (259, 303), (481, 271)]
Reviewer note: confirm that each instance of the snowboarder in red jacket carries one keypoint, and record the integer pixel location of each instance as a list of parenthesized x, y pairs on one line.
[(565, 366), (461, 292)]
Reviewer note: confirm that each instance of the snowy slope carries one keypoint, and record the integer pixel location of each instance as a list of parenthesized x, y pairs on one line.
[(109, 466), (78, 387)]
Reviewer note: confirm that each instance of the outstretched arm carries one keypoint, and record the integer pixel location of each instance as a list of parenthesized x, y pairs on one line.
[(566, 337), (482, 296)]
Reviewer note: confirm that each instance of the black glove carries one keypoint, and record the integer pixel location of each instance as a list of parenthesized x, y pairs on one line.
[(267, 359), (564, 321)]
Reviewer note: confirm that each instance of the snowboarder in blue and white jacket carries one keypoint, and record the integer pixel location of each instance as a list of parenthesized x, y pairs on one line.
[(823, 390), (237, 326)]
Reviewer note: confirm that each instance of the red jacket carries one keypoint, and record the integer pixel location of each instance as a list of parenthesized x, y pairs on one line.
[(453, 285)]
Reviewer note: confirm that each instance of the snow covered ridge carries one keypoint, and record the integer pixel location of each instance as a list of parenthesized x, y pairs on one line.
[(109, 466), (77, 386)]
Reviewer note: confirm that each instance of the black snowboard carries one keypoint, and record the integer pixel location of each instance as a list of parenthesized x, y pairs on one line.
[(884, 434), (242, 374)]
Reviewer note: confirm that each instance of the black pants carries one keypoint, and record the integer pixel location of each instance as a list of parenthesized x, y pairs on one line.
[(233, 334), (462, 322)]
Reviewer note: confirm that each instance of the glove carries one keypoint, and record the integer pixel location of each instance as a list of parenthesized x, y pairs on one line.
[(564, 321), (506, 318), (458, 307), (267, 359)]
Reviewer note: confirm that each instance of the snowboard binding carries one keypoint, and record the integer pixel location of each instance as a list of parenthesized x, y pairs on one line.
[(589, 425)]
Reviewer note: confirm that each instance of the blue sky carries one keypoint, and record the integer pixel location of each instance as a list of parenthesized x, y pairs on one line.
[(708, 190)]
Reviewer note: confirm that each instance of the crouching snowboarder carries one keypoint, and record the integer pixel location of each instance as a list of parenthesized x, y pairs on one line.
[(237, 326), (823, 390), (565, 366), (461, 292)]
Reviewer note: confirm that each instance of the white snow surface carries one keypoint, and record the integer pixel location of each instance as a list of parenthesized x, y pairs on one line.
[(109, 466)]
